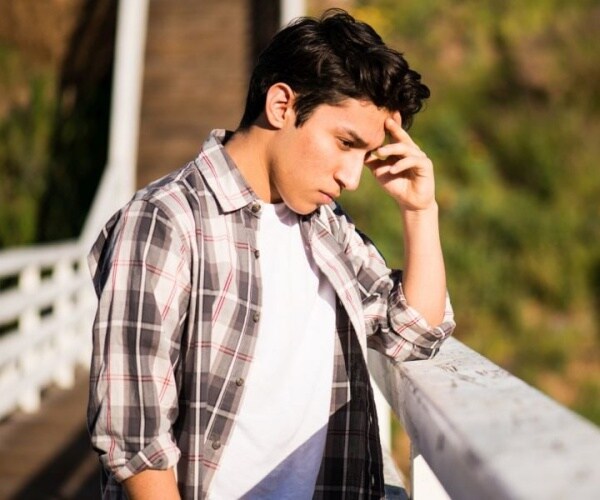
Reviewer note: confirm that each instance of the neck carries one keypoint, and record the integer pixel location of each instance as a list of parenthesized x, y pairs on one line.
[(249, 150)]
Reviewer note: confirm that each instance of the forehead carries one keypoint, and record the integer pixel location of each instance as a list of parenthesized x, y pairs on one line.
[(358, 117)]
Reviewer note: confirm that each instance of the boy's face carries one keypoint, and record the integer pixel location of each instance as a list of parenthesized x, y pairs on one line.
[(313, 163)]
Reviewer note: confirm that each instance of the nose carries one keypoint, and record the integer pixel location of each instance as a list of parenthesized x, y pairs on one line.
[(348, 174)]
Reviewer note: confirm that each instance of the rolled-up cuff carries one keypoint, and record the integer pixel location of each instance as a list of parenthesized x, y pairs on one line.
[(412, 326), (160, 454)]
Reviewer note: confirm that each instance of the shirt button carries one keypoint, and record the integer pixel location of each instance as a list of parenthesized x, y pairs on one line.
[(255, 208), (256, 317), (216, 444), (257, 253), (239, 382)]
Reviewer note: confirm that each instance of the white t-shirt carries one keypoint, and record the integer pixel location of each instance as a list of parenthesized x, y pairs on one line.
[(276, 445)]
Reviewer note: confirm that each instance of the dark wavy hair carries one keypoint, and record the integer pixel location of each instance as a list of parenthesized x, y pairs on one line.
[(330, 59)]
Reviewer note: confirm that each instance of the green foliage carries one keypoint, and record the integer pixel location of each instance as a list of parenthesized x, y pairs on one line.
[(512, 127), (588, 401), (25, 140), (53, 147), (79, 152)]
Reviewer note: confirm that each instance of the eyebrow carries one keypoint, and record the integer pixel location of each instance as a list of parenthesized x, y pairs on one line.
[(359, 142)]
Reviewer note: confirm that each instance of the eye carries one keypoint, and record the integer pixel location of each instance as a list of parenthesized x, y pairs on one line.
[(345, 143)]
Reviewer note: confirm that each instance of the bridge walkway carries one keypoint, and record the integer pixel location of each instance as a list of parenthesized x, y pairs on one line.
[(47, 455)]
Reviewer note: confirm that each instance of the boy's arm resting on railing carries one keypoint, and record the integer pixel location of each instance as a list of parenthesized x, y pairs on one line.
[(405, 335), (419, 309), (408, 313), (394, 327)]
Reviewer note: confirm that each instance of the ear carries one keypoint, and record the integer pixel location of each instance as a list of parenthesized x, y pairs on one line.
[(279, 105)]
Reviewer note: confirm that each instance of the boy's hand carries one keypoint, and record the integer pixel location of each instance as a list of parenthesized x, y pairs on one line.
[(402, 169)]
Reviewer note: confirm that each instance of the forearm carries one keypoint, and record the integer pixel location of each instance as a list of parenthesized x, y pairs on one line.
[(152, 485), (424, 276)]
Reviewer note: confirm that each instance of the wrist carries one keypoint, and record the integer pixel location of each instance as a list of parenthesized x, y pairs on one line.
[(426, 213), (421, 227)]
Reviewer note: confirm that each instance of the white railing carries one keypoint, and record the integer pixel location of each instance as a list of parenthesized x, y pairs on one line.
[(46, 296), (485, 434), (46, 306), (118, 180)]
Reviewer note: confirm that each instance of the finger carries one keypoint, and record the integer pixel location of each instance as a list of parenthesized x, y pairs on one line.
[(411, 162), (380, 172), (381, 167), (398, 149), (394, 126), (397, 132)]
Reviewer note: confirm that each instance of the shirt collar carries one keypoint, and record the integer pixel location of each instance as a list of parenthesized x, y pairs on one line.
[(223, 177)]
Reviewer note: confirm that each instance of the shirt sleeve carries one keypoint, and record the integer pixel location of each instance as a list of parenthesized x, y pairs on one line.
[(394, 328), (141, 276)]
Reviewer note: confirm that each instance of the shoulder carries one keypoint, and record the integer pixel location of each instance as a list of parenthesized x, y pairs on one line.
[(179, 202), (176, 195), (169, 205)]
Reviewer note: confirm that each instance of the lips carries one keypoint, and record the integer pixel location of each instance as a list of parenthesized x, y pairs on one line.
[(325, 198), (328, 197)]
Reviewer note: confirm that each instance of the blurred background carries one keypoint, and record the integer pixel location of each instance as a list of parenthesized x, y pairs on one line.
[(512, 127)]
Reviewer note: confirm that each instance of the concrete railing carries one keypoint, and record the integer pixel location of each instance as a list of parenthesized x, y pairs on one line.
[(478, 432)]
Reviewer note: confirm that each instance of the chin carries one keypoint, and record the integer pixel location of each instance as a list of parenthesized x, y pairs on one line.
[(302, 208), (303, 212)]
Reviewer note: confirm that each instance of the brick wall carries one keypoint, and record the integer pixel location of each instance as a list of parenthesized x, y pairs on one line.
[(198, 58)]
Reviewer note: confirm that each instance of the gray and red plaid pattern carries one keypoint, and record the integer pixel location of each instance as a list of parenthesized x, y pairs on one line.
[(177, 273)]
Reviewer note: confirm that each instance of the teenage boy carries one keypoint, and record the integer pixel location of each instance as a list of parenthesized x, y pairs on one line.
[(237, 300)]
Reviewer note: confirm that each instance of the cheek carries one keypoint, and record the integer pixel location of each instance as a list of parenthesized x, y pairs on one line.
[(318, 151), (308, 156)]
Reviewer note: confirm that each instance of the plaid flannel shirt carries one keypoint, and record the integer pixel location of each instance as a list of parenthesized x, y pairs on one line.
[(177, 274)]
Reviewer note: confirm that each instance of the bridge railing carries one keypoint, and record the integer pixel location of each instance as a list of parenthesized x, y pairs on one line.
[(478, 432), (46, 296), (46, 308)]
